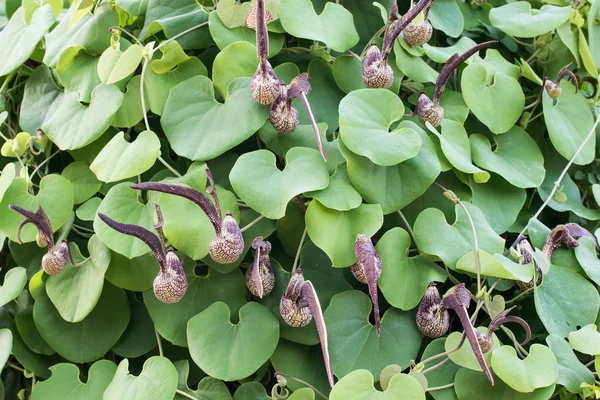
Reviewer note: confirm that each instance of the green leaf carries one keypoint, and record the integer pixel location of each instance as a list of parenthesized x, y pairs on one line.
[(232, 351), (65, 383), (443, 375), (497, 266), (519, 20), (334, 26), (365, 119), (394, 187), (76, 290), (158, 380), (517, 157), (359, 385), (303, 394), (571, 372), (84, 182), (122, 204), (90, 33), (55, 196), (451, 242), (120, 159), (471, 384), (233, 14), (339, 195), (40, 99), (192, 104), (14, 282), (115, 65), (89, 339), (354, 343), (31, 6), (251, 391), (208, 388), (569, 121), (404, 279), (172, 56), (76, 69), (139, 337), (586, 255), (256, 179), (20, 39), (234, 61), (539, 369), (71, 118), (558, 309), (130, 112), (442, 54), (29, 333), (457, 149), (445, 16), (136, 274), (335, 231), (465, 356), (414, 66), (6, 341), (504, 98), (171, 319), (586, 340)]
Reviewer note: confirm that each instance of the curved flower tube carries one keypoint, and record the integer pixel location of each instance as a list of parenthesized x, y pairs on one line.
[(368, 270)]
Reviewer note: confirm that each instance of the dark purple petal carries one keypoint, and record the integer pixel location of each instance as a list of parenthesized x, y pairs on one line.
[(369, 263), (256, 274), (504, 318), (394, 30), (306, 105), (39, 219)]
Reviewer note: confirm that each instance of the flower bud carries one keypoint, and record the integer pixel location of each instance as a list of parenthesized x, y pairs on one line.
[(427, 111), (418, 34), (376, 73), (54, 262), (171, 283), (227, 247), (433, 320), (260, 279)]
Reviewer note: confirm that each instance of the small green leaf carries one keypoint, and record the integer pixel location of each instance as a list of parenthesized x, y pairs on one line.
[(471, 384), (77, 71), (158, 380), (519, 20), (339, 195), (208, 388), (539, 369), (233, 14), (465, 356), (6, 344), (497, 266), (14, 282), (172, 56), (115, 65), (586, 340), (414, 66), (360, 385), (84, 182), (87, 211)]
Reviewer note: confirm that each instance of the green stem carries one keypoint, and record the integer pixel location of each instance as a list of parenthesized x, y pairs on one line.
[(44, 162), (159, 343), (377, 34), (7, 81), (166, 164), (297, 258), (184, 394), (409, 229), (304, 383), (436, 366), (448, 386), (245, 228), (127, 33)]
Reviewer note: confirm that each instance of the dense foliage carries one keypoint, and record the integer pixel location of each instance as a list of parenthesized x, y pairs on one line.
[(205, 199)]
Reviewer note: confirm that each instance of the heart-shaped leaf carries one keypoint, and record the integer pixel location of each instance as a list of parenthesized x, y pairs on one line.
[(360, 385), (76, 290), (465, 356), (446, 16), (519, 20), (404, 279), (516, 158), (335, 231), (84, 182), (29, 333), (234, 61), (251, 391), (339, 194), (394, 187), (365, 118), (496, 265), (14, 282), (172, 56), (120, 159), (256, 179), (586, 255), (232, 351), (115, 65), (569, 121), (334, 26), (130, 112), (504, 98), (354, 343), (158, 380), (556, 306), (73, 125), (586, 340), (65, 383), (77, 71), (451, 242), (539, 369), (192, 104), (89, 339), (55, 196), (571, 372), (208, 388), (20, 38), (40, 99), (233, 14), (471, 384), (171, 319)]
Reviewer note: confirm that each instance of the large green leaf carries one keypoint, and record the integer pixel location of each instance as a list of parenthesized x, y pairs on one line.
[(397, 186), (469, 385), (158, 380), (130, 112), (191, 107), (571, 372), (29, 333), (516, 158), (235, 61), (74, 125), (569, 121), (76, 290), (445, 15), (115, 65), (360, 385), (354, 343), (413, 66), (171, 319), (232, 351), (76, 69), (334, 26), (559, 310), (136, 274), (520, 20), (504, 98), (539, 369), (120, 159), (55, 196), (365, 119), (19, 39), (404, 279), (256, 179), (451, 242), (89, 339), (40, 99), (64, 384), (335, 231)]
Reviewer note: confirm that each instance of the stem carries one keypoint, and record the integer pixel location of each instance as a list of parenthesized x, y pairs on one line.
[(512, 337), (523, 293), (245, 228), (304, 383), (590, 363), (297, 258), (436, 365), (44, 162), (377, 34), (173, 170), (409, 229), (184, 394), (14, 366), (180, 35), (532, 56), (462, 340), (127, 33), (7, 81), (560, 178), (158, 342), (448, 386)]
